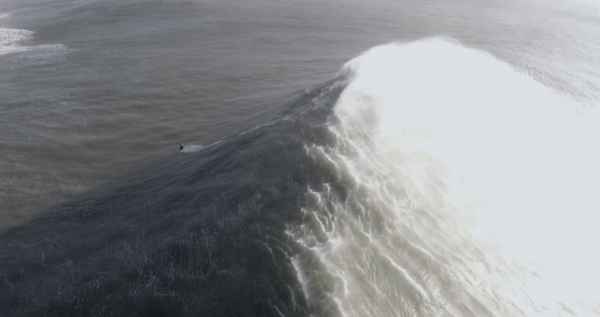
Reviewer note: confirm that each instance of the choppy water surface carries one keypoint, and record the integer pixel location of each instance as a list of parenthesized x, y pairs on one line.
[(342, 158)]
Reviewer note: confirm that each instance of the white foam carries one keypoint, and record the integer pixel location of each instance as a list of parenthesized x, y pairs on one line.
[(302, 278), (192, 148), (472, 139), (408, 278), (197, 147), (9, 39)]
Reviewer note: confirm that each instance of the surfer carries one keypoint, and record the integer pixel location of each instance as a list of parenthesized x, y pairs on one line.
[(180, 146)]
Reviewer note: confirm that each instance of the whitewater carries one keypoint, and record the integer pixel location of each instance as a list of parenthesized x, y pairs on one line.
[(467, 192)]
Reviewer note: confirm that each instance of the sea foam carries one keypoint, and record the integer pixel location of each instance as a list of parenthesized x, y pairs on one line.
[(503, 163), (9, 39)]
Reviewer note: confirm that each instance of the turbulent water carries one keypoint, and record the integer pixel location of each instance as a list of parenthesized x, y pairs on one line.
[(407, 158)]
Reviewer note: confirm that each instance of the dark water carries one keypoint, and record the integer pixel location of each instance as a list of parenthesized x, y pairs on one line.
[(289, 199), (194, 234)]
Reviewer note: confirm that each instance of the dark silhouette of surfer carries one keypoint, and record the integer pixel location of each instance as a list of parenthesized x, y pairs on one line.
[(180, 146)]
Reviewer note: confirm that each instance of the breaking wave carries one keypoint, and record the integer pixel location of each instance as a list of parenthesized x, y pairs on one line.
[(427, 179)]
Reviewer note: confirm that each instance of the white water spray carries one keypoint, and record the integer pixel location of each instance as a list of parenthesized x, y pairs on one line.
[(472, 182)]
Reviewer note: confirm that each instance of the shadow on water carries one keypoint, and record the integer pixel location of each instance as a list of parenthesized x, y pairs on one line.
[(196, 234)]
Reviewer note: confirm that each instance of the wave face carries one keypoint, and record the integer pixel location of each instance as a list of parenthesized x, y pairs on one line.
[(200, 233), (428, 179)]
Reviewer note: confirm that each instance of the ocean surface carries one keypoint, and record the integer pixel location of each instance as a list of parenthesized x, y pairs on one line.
[(342, 158)]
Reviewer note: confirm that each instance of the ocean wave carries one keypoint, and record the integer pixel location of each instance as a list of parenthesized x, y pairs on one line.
[(430, 179)]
